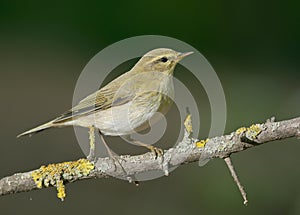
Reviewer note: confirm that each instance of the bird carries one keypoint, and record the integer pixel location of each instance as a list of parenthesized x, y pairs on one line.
[(125, 104)]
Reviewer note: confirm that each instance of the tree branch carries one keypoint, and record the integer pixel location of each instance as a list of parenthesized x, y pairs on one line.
[(187, 151)]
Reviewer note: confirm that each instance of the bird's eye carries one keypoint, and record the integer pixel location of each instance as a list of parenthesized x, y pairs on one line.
[(163, 59)]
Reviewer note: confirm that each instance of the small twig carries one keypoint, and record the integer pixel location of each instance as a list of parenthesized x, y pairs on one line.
[(236, 179)]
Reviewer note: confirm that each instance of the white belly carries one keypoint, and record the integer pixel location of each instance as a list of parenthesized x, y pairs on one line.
[(118, 120)]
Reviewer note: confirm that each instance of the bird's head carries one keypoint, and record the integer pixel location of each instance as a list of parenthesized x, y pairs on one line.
[(160, 60)]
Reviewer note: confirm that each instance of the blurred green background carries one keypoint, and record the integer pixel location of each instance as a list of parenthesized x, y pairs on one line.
[(254, 46)]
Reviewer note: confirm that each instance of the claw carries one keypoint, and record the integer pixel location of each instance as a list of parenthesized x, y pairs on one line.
[(157, 151), (116, 160)]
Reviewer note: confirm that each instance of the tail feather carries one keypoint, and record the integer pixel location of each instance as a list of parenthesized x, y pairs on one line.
[(38, 129)]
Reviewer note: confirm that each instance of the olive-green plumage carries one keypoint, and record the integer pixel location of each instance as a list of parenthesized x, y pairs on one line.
[(129, 101)]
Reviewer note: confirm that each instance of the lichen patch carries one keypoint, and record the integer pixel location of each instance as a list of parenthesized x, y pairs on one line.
[(56, 174)]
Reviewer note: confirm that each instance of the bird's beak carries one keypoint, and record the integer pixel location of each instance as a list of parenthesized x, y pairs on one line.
[(180, 56)]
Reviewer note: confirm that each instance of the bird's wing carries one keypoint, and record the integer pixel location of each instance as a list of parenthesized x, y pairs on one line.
[(100, 100)]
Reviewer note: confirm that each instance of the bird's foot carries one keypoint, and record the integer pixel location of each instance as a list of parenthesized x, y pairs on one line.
[(158, 152), (116, 160), (117, 163)]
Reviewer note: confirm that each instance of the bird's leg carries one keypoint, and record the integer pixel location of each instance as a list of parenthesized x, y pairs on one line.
[(91, 155), (157, 151), (111, 154)]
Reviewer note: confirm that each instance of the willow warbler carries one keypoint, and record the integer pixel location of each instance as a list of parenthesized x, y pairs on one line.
[(125, 104)]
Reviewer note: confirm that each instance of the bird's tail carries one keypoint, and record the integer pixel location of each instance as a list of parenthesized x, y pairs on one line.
[(38, 129)]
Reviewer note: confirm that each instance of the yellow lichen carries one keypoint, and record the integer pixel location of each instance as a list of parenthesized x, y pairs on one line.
[(201, 143), (37, 179), (188, 124), (241, 130), (251, 132), (61, 191), (56, 174)]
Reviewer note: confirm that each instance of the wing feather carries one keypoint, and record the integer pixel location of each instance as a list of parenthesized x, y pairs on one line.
[(106, 97)]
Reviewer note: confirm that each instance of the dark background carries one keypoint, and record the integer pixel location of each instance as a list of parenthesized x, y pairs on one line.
[(254, 47)]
